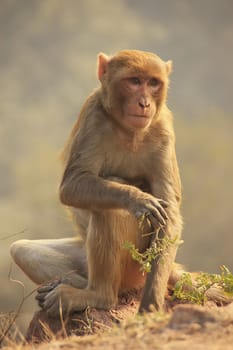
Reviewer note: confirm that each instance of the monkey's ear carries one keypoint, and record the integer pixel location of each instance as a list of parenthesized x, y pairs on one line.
[(102, 65), (169, 67)]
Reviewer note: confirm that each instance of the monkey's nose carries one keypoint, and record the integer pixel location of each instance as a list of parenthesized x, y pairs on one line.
[(144, 104)]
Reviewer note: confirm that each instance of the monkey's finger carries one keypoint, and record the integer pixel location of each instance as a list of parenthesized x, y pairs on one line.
[(155, 219), (161, 210), (48, 287), (41, 304), (41, 296), (164, 203), (154, 222), (156, 213), (45, 289), (49, 300)]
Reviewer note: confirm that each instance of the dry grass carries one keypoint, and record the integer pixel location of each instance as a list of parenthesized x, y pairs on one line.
[(9, 332), (188, 327)]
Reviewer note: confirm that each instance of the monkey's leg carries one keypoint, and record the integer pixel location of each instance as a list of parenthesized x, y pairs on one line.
[(104, 246), (45, 260), (107, 232)]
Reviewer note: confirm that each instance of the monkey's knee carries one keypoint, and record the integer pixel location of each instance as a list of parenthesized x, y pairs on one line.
[(24, 253), (18, 251)]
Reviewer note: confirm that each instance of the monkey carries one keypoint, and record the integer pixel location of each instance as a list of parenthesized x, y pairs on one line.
[(120, 166)]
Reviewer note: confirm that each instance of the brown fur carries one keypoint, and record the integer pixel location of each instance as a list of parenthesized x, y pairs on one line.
[(119, 163)]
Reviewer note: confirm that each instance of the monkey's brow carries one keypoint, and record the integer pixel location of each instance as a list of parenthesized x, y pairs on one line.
[(142, 77)]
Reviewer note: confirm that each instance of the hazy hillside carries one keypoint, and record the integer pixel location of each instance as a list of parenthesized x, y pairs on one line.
[(47, 66)]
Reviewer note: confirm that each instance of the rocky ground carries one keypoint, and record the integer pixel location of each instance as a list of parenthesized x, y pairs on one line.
[(185, 326)]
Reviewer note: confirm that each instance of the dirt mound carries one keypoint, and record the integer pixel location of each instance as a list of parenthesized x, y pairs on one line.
[(90, 321), (181, 319)]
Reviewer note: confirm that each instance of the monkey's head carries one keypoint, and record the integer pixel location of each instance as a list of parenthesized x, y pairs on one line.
[(134, 87)]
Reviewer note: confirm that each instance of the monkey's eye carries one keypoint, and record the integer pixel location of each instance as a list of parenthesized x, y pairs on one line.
[(134, 80), (155, 82)]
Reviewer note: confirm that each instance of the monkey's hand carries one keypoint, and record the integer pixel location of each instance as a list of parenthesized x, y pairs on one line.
[(147, 206)]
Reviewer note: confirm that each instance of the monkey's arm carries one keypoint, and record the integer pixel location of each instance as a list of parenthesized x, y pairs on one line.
[(88, 191), (82, 186)]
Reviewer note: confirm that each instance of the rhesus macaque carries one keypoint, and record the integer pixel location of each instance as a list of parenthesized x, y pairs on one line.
[(119, 167)]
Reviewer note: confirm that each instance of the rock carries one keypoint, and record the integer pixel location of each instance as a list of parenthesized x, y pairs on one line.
[(187, 314)]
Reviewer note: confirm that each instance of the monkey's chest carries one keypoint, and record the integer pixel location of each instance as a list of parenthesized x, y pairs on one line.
[(131, 168)]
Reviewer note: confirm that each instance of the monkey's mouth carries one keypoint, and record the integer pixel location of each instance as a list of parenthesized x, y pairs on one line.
[(138, 120)]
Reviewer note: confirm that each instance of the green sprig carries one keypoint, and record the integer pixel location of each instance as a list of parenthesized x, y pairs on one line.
[(195, 290), (156, 250)]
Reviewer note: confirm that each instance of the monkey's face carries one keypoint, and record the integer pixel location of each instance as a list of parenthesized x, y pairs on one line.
[(134, 87), (137, 95)]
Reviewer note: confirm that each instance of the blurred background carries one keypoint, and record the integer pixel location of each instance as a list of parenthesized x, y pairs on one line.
[(48, 54)]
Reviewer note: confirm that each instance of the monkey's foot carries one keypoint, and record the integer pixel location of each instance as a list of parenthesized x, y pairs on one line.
[(42, 326), (65, 299)]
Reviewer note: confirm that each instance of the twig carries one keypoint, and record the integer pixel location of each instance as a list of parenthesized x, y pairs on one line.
[(13, 234), (61, 319), (25, 297)]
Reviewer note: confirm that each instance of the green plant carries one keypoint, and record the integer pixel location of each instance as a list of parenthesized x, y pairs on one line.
[(195, 290), (157, 249)]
